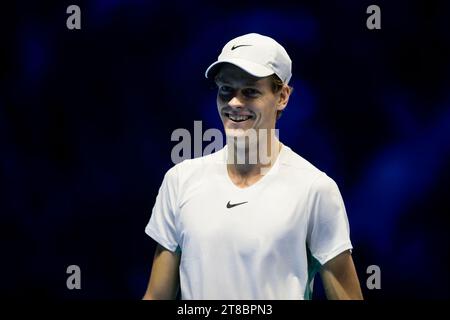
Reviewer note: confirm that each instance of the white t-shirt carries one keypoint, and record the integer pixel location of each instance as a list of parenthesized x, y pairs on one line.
[(267, 245)]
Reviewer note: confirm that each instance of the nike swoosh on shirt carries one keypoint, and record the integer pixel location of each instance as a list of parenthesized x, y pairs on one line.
[(229, 205)]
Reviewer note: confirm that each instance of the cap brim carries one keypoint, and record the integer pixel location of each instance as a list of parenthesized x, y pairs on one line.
[(252, 68)]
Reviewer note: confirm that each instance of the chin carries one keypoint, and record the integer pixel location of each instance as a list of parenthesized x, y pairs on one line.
[(235, 132), (240, 133)]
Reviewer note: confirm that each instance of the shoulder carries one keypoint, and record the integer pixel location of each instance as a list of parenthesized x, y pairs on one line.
[(200, 163), (299, 169), (189, 169)]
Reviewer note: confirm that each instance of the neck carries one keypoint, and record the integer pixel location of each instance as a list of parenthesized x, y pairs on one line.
[(252, 156)]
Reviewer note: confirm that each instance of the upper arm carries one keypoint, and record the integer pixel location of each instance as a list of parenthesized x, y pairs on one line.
[(164, 278), (339, 278)]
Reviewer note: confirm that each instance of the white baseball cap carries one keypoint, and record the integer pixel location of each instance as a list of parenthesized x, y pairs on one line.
[(259, 55)]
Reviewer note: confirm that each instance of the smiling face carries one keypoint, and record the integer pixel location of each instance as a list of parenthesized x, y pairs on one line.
[(246, 102)]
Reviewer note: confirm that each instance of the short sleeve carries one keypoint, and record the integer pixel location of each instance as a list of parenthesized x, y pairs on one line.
[(328, 227), (162, 224)]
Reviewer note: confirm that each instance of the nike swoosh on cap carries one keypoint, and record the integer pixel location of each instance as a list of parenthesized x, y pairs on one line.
[(241, 45), (229, 205)]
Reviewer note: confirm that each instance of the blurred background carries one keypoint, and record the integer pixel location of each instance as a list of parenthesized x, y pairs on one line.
[(86, 118)]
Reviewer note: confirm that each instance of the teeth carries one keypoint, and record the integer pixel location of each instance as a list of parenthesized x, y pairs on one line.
[(238, 118)]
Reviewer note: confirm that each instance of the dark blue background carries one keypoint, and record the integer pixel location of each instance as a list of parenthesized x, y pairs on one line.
[(86, 118)]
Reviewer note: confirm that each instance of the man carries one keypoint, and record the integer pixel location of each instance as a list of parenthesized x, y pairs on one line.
[(258, 228)]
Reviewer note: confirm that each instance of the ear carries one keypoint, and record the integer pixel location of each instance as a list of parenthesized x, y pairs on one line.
[(283, 98)]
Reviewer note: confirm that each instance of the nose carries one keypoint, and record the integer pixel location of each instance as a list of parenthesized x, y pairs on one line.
[(236, 101)]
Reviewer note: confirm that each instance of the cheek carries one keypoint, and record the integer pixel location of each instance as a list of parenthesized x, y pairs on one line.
[(269, 108), (219, 104)]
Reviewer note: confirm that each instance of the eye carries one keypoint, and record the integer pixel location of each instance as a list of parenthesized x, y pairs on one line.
[(225, 90), (250, 92)]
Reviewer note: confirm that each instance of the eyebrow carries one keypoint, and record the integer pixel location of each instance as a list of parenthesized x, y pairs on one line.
[(250, 83)]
